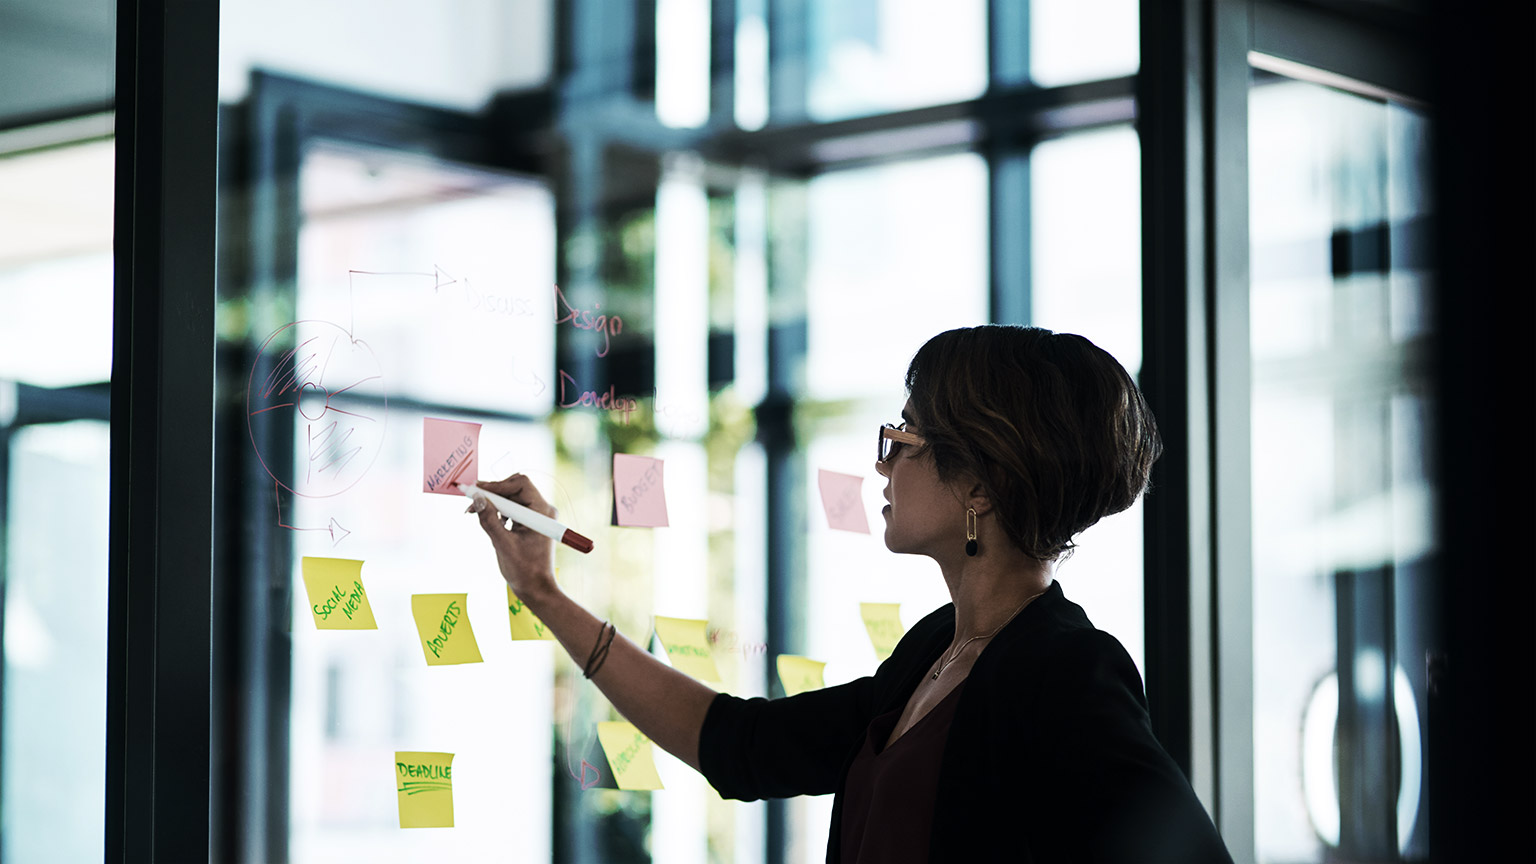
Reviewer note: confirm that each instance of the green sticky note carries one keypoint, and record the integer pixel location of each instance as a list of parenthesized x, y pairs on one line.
[(442, 621), (424, 787), (687, 646), (630, 756), (883, 621), (336, 595), (799, 674), (525, 624)]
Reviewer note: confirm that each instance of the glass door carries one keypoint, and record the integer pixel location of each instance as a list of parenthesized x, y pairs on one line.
[(1342, 504)]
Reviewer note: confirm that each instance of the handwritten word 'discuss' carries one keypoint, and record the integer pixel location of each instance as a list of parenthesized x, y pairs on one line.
[(571, 395), (337, 599), (442, 621), (639, 492), (424, 788), (588, 319)]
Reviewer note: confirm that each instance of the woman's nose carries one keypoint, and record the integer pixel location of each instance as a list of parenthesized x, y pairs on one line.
[(880, 468)]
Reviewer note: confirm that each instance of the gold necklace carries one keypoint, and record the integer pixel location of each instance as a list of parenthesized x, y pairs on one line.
[(956, 655)]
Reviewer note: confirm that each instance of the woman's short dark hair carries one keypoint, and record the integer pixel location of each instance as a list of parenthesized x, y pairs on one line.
[(1050, 425)]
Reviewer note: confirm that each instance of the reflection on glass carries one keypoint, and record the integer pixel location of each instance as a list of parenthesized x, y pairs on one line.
[(883, 244), (1086, 279), (1342, 505), (1071, 41), (682, 62), (884, 277), (56, 265), (396, 246), (426, 290), (55, 644), (883, 55)]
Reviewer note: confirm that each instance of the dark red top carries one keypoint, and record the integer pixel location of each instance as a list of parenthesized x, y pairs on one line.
[(889, 795)]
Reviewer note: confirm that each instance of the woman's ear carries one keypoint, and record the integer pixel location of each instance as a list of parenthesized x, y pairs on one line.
[(978, 499)]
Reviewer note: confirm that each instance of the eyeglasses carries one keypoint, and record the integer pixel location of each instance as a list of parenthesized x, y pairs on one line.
[(891, 439)]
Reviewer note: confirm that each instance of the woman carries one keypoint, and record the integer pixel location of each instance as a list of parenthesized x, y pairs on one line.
[(1004, 727)]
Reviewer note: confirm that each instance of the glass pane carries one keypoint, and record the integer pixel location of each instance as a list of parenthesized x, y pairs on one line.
[(868, 56), (882, 279), (425, 290), (1085, 218), (56, 265), (55, 643), (1342, 503), (1071, 41)]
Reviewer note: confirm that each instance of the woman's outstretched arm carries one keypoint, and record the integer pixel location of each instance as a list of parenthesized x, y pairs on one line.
[(666, 705)]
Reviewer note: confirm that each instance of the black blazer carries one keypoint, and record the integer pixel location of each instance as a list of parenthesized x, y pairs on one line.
[(1050, 757)]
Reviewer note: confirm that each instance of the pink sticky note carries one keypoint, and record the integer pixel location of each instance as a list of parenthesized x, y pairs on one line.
[(448, 454), (842, 495), (638, 497)]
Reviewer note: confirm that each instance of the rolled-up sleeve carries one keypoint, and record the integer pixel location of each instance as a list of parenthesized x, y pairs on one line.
[(778, 748)]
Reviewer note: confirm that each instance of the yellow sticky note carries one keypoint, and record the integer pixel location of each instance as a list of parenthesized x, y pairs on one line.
[(336, 595), (883, 621), (525, 624), (442, 620), (799, 674), (687, 646), (629, 756), (424, 783)]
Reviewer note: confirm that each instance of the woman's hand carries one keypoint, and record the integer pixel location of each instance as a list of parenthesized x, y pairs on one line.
[(525, 556)]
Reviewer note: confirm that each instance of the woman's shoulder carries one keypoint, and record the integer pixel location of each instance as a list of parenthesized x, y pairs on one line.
[(1059, 642)]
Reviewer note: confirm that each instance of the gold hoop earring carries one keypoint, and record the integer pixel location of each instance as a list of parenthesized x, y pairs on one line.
[(970, 531)]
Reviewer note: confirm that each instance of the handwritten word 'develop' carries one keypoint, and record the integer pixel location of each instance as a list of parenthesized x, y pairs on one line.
[(579, 398), (443, 625), (588, 319)]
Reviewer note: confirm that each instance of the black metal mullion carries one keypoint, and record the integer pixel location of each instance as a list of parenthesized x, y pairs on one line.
[(159, 689), (1172, 124)]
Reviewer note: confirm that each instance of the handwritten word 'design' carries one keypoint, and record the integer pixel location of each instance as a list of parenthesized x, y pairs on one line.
[(588, 319), (578, 398), (443, 624), (883, 621), (448, 454), (687, 645), (336, 595), (639, 495), (424, 788), (799, 674), (843, 497), (629, 756), (525, 624)]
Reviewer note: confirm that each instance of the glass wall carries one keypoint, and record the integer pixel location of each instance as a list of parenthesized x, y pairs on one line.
[(1343, 509), (538, 219), (55, 360)]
